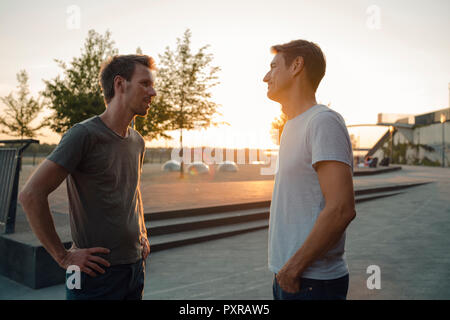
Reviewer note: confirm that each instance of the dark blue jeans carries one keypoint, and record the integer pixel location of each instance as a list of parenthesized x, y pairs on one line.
[(119, 282), (311, 289)]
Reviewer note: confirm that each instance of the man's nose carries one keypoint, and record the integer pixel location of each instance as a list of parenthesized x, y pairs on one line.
[(266, 77), (152, 92)]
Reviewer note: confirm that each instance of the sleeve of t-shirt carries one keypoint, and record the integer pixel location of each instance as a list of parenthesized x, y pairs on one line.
[(70, 150), (329, 139)]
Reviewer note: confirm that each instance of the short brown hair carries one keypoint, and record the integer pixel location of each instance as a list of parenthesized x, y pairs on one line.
[(315, 63), (121, 65)]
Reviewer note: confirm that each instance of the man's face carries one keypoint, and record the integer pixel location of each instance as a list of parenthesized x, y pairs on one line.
[(140, 91), (278, 78)]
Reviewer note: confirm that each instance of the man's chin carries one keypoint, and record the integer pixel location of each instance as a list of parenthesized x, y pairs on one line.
[(272, 97), (142, 113)]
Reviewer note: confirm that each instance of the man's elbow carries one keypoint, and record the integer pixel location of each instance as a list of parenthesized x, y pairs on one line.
[(352, 214), (346, 212), (24, 197), (27, 198)]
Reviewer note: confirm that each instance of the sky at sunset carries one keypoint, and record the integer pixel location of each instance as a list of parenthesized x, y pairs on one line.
[(382, 56)]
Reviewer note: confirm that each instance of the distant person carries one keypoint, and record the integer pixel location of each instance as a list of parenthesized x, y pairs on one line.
[(356, 164), (313, 199), (101, 159)]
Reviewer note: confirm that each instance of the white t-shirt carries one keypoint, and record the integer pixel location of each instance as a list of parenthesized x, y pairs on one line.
[(315, 135)]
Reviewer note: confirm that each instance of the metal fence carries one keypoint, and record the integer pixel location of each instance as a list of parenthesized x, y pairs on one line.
[(10, 165)]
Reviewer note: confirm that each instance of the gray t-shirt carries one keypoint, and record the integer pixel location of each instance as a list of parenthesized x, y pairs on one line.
[(103, 187), (316, 135)]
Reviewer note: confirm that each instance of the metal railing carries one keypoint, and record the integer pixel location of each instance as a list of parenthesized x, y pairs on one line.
[(10, 165)]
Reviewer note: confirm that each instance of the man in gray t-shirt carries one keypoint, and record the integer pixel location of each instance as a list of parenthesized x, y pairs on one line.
[(313, 198), (103, 187), (101, 159)]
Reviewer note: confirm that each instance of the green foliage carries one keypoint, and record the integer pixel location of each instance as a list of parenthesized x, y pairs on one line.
[(427, 162), (155, 123), (399, 154), (21, 111), (183, 84), (77, 96)]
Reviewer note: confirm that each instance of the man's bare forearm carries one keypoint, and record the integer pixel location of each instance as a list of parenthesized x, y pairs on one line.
[(328, 229), (40, 219)]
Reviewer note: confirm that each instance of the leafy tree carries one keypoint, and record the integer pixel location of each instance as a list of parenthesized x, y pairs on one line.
[(77, 96), (21, 111), (278, 126), (279, 122), (183, 82)]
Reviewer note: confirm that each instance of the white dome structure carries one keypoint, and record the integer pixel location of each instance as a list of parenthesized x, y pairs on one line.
[(198, 168), (170, 166), (228, 166)]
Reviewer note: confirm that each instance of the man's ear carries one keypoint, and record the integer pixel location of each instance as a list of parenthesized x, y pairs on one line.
[(297, 65), (119, 84)]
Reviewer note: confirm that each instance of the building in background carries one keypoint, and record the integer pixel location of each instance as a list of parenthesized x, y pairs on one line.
[(415, 139)]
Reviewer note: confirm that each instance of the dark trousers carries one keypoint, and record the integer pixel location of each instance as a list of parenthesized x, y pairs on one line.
[(311, 289), (119, 282)]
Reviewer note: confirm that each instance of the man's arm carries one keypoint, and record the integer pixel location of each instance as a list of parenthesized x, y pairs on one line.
[(143, 236), (336, 182), (143, 232), (34, 200)]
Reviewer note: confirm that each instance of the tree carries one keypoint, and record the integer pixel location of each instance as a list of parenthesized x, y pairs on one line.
[(183, 84), (21, 111), (278, 126), (77, 96)]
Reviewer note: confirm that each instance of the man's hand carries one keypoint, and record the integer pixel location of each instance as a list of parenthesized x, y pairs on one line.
[(288, 278), (85, 260), (145, 247)]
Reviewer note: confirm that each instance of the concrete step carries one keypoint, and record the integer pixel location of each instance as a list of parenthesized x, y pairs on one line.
[(175, 232), (373, 171), (195, 222), (387, 188), (172, 240), (153, 216), (375, 196), (174, 225)]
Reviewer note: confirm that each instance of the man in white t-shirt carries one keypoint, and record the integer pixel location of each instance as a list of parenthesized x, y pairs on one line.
[(313, 198)]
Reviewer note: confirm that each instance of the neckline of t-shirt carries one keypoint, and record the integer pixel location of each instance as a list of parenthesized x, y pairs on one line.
[(303, 114), (112, 131)]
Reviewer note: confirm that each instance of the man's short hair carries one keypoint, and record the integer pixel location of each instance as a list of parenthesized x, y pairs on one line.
[(314, 59), (121, 65)]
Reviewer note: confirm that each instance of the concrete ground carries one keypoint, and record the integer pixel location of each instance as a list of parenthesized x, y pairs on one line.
[(405, 235)]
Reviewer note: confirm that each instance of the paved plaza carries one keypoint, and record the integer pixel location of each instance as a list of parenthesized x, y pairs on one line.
[(406, 235)]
